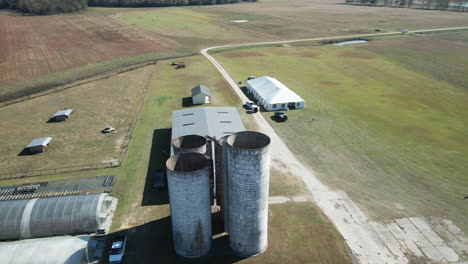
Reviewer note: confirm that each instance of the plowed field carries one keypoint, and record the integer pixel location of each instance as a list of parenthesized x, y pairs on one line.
[(35, 46)]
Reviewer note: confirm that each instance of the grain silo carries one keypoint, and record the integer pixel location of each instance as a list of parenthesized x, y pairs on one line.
[(189, 195), (189, 143), (248, 184)]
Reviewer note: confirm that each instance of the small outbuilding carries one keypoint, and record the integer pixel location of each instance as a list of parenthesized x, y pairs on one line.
[(200, 95), (38, 145), (62, 115)]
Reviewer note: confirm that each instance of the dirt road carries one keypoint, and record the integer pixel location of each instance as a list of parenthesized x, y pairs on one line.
[(367, 240)]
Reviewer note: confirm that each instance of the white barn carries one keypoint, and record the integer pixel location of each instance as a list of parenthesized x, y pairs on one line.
[(273, 95)]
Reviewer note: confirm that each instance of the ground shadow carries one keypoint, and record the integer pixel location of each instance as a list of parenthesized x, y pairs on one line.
[(152, 243), (187, 102), (26, 152), (52, 120), (160, 152)]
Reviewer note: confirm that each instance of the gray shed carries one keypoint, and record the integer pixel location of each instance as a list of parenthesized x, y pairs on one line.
[(38, 145), (200, 94), (63, 115)]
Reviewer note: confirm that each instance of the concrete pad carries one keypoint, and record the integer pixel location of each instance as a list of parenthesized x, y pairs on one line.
[(300, 199), (389, 240), (424, 227), (413, 233), (448, 253), (278, 199), (402, 236)]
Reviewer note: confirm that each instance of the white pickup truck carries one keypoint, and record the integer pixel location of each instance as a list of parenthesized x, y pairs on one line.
[(253, 108), (117, 251)]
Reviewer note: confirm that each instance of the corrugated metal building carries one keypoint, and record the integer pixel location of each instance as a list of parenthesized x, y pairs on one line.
[(54, 216), (215, 122), (63, 115), (38, 145)]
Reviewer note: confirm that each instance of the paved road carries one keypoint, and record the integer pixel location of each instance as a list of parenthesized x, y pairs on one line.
[(356, 229)]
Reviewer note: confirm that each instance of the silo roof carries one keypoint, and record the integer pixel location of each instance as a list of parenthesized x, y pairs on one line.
[(39, 142), (51, 250), (50, 216), (66, 112), (206, 121)]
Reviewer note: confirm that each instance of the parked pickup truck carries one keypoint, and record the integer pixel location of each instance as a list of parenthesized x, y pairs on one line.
[(118, 250), (251, 106)]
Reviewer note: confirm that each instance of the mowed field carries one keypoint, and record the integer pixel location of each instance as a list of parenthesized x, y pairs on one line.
[(392, 135), (113, 101)]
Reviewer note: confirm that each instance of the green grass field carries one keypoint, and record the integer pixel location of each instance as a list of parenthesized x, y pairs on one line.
[(78, 141), (393, 137), (298, 231)]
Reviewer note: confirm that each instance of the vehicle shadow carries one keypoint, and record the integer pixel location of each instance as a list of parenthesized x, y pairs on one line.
[(160, 152)]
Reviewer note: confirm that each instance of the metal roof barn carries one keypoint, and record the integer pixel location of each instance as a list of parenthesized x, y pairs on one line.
[(38, 145), (206, 121), (52, 250), (200, 94), (273, 95), (54, 216), (62, 115)]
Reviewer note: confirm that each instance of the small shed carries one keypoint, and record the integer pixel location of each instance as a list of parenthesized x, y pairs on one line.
[(62, 115), (38, 145), (200, 94)]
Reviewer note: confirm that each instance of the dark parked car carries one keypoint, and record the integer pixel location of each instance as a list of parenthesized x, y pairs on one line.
[(158, 180), (280, 117)]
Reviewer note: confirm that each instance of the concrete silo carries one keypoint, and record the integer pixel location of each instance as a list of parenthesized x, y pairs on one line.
[(189, 143), (189, 195), (248, 167)]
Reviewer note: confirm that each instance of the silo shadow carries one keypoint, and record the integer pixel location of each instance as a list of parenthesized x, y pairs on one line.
[(160, 152)]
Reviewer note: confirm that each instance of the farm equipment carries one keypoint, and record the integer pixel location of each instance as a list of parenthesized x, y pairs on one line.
[(180, 66)]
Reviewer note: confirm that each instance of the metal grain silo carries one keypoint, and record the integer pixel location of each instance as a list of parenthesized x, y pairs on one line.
[(189, 143), (248, 182), (189, 195)]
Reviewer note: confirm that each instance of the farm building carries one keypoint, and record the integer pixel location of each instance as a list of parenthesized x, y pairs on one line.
[(273, 95), (38, 145), (55, 216), (200, 94), (206, 121), (62, 115), (52, 250)]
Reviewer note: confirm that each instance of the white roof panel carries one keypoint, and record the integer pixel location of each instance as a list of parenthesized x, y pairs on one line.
[(66, 112), (273, 91), (39, 142)]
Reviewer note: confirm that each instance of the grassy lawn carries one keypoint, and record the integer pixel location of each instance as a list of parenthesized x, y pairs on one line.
[(77, 141), (298, 231), (392, 137)]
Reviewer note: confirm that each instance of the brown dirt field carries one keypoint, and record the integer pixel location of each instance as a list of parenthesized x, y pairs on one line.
[(357, 55), (34, 46)]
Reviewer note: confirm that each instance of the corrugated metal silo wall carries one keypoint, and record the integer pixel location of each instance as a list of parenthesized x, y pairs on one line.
[(189, 194), (11, 213), (248, 180)]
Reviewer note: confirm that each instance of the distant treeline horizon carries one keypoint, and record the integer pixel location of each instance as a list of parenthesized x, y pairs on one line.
[(452, 5), (45, 7)]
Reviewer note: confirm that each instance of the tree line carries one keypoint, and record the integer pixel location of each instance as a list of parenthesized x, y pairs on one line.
[(149, 3), (455, 5), (42, 7)]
